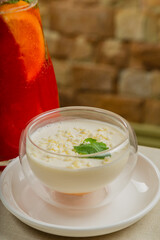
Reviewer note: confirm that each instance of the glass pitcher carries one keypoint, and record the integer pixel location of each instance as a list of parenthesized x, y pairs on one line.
[(27, 81)]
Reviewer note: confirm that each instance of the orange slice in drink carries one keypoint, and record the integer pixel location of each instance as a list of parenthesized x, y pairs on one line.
[(27, 32)]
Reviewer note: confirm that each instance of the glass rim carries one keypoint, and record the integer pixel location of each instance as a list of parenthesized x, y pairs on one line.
[(117, 117), (19, 8)]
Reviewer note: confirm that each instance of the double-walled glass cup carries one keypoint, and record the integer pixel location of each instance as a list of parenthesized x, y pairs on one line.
[(84, 187)]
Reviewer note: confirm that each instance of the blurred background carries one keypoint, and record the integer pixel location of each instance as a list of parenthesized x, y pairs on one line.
[(106, 53)]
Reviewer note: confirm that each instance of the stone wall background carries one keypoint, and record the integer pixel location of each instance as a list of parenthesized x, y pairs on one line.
[(106, 53)]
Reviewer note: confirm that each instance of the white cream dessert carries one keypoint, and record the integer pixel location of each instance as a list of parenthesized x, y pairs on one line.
[(73, 173)]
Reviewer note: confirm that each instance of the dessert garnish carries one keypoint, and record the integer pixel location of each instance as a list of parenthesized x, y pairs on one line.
[(90, 146)]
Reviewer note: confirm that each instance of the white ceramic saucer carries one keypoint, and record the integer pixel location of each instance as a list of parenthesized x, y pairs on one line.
[(136, 200)]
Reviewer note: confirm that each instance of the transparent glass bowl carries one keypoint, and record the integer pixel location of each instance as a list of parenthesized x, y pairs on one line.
[(82, 188)]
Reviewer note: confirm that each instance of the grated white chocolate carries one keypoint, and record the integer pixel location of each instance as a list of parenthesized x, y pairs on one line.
[(61, 137)]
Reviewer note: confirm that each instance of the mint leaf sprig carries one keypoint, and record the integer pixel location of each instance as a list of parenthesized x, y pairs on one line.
[(90, 146), (15, 1)]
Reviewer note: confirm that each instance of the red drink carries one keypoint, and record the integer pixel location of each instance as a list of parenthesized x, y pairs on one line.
[(27, 81)]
